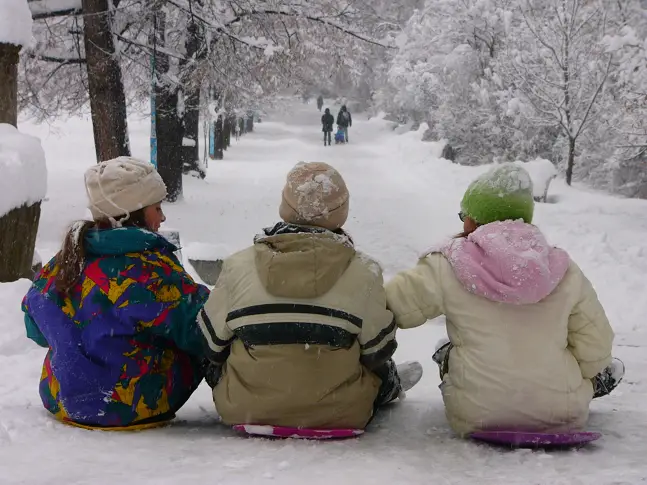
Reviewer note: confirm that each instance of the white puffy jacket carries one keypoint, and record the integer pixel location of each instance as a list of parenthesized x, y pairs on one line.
[(528, 330)]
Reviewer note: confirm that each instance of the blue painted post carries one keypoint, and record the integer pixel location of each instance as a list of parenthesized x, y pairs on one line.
[(212, 140), (153, 115)]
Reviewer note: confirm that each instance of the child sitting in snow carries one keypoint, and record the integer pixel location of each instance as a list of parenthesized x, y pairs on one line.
[(298, 321), (340, 136), (117, 310), (529, 343)]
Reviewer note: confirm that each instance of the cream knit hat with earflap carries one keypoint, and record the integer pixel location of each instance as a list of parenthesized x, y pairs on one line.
[(315, 194), (122, 185)]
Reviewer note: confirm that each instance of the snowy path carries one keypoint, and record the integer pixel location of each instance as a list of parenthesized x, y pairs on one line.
[(402, 201)]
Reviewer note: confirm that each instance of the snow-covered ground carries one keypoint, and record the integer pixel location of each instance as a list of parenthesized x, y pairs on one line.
[(403, 200)]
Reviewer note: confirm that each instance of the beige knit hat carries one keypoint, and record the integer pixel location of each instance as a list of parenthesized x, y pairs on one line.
[(122, 185), (315, 194)]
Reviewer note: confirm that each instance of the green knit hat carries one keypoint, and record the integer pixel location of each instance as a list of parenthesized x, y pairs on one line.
[(502, 193)]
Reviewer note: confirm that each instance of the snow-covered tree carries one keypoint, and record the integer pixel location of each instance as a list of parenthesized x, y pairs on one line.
[(628, 43), (443, 74), (240, 51), (558, 65), (517, 79)]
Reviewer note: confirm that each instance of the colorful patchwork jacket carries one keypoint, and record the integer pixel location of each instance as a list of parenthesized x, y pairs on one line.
[(124, 347)]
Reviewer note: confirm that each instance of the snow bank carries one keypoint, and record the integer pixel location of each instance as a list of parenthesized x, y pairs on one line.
[(15, 22), (541, 172), (23, 168)]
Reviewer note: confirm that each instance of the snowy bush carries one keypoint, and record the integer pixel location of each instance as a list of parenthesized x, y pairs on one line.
[(23, 171), (503, 80), (541, 172)]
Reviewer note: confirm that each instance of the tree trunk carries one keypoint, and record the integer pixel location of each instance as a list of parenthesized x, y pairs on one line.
[(566, 105), (105, 83), (571, 160), (168, 125), (227, 133), (220, 139), (18, 228), (232, 124), (191, 124), (191, 118), (9, 56)]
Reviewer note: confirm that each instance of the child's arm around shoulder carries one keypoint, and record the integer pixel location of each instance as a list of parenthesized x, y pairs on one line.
[(415, 296), (377, 337), (213, 320), (181, 298), (590, 336)]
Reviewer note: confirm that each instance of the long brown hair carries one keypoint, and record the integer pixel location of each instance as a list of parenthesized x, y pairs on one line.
[(71, 258)]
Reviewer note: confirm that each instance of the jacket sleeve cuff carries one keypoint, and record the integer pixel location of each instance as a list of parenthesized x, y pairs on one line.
[(591, 369), (34, 333)]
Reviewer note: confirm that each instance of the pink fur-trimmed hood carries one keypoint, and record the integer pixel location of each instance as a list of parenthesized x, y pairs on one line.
[(507, 262)]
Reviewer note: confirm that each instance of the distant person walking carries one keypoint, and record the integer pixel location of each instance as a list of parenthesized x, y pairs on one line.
[(320, 102), (327, 122), (344, 120), (237, 129)]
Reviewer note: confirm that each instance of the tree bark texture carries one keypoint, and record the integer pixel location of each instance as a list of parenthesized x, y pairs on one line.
[(167, 122), (9, 56), (18, 229), (105, 83), (571, 161), (227, 132), (220, 139), (191, 118)]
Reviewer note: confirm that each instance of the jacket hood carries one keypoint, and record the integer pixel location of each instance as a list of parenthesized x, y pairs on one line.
[(507, 262), (301, 262)]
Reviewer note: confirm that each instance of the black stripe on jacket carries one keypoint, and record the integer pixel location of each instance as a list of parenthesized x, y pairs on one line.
[(380, 336), (284, 333), (212, 354), (294, 308)]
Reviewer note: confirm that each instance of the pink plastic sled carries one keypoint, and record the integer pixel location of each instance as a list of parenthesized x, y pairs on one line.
[(297, 433), (523, 439)]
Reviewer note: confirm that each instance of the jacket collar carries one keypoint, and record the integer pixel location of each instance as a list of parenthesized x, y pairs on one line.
[(123, 240)]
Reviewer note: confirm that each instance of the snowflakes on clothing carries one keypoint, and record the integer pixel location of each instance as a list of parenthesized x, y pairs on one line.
[(507, 262)]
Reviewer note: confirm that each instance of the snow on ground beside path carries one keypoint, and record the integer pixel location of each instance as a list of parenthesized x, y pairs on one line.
[(403, 200)]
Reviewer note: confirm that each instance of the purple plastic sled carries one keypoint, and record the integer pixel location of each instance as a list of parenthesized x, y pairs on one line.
[(523, 439), (298, 433)]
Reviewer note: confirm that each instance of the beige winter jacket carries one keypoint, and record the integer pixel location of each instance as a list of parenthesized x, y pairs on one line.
[(299, 319), (513, 366)]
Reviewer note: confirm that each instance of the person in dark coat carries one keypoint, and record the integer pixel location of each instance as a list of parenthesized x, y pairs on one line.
[(327, 122), (344, 120), (320, 102)]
